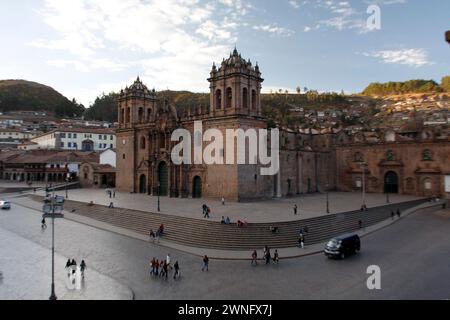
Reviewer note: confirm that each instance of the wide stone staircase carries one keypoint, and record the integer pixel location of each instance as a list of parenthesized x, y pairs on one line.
[(213, 235)]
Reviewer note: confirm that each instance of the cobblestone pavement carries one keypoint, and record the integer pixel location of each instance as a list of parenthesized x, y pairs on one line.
[(413, 255), (258, 211)]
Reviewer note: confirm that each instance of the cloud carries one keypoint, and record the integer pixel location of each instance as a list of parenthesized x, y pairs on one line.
[(274, 29), (411, 57), (295, 4), (168, 41)]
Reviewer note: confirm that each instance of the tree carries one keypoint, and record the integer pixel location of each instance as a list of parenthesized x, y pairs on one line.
[(445, 83)]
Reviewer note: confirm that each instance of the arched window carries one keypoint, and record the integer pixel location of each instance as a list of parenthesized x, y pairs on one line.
[(254, 100), (427, 155), (122, 115), (128, 116), (143, 144), (218, 99), (141, 114), (229, 98), (245, 98)]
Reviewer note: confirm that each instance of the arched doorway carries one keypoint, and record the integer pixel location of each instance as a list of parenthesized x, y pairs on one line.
[(163, 179), (391, 182), (142, 184), (197, 187), (87, 145)]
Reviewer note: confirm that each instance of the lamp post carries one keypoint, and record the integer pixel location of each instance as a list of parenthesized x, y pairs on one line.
[(53, 210), (159, 186), (328, 199), (363, 168)]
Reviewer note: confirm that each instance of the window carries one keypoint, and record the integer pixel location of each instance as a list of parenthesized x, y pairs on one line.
[(123, 156), (99, 137), (358, 157), (390, 156), (74, 135), (75, 145), (229, 98), (111, 138), (143, 143), (70, 136), (218, 99), (62, 144), (427, 156), (63, 135), (105, 137), (70, 145)]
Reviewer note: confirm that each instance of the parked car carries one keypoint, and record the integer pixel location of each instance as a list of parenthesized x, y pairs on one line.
[(5, 205), (343, 246)]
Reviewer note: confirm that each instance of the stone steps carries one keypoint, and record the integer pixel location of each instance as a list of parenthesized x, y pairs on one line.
[(213, 235)]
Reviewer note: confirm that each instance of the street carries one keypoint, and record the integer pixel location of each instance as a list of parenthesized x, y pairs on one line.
[(413, 254)]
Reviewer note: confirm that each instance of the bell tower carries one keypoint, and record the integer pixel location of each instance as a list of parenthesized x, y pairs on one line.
[(235, 87)]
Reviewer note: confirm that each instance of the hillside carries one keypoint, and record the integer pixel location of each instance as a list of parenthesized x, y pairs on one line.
[(21, 95), (407, 87)]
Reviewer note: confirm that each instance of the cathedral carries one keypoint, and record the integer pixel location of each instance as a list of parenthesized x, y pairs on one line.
[(408, 161), (144, 143)]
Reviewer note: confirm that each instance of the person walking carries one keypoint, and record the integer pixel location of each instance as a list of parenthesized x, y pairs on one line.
[(168, 261), (301, 240), (165, 269), (83, 267), (360, 224), (114, 194), (398, 213), (268, 256), (176, 273), (223, 201), (276, 257), (156, 268), (205, 263), (152, 266), (152, 236), (43, 224), (254, 258), (73, 263), (295, 209), (392, 214)]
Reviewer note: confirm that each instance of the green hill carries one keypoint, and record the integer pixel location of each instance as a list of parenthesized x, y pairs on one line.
[(411, 86), (21, 95)]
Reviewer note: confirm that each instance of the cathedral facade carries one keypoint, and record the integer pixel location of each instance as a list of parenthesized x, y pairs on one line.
[(144, 145)]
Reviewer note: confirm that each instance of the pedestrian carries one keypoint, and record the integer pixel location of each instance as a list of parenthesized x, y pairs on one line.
[(205, 263), (73, 263), (392, 214), (207, 211), (276, 257), (301, 240), (204, 209), (43, 224), (114, 194), (223, 201), (176, 267), (83, 267), (156, 267), (295, 209), (223, 220), (254, 258), (268, 256), (398, 213), (111, 205), (152, 236), (360, 224), (68, 263), (161, 230), (153, 266), (165, 269), (168, 260)]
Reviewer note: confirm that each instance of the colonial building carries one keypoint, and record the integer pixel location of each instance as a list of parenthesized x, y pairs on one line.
[(144, 142), (407, 162)]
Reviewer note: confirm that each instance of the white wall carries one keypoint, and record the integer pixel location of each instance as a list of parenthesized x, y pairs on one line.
[(108, 157)]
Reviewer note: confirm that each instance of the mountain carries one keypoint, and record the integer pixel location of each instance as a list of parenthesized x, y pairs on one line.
[(22, 95), (411, 86)]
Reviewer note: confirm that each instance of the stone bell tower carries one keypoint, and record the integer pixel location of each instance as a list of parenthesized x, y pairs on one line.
[(235, 87)]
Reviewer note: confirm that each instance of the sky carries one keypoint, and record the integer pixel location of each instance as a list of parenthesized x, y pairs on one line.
[(83, 48)]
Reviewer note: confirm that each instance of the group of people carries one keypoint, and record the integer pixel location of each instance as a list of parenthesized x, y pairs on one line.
[(226, 221), (111, 193), (154, 236), (72, 265), (267, 256), (161, 268), (393, 214)]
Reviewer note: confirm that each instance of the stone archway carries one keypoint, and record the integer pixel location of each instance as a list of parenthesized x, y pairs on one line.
[(391, 182), (197, 187)]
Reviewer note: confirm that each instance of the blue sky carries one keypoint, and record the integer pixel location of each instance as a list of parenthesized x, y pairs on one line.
[(85, 47)]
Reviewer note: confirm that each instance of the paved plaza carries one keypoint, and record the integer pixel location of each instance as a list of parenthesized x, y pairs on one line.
[(414, 265), (275, 210)]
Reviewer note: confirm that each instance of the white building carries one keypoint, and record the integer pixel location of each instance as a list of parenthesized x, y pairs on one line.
[(16, 134), (108, 157), (84, 139)]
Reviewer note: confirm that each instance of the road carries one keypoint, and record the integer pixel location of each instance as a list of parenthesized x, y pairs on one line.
[(413, 254)]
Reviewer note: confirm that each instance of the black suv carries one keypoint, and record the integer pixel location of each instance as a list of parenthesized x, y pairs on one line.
[(342, 246)]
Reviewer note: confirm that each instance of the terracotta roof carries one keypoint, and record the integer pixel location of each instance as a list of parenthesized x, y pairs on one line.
[(80, 130), (101, 168), (50, 156)]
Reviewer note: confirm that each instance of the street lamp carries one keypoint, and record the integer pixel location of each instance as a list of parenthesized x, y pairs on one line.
[(328, 202), (53, 210), (159, 186), (363, 168)]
